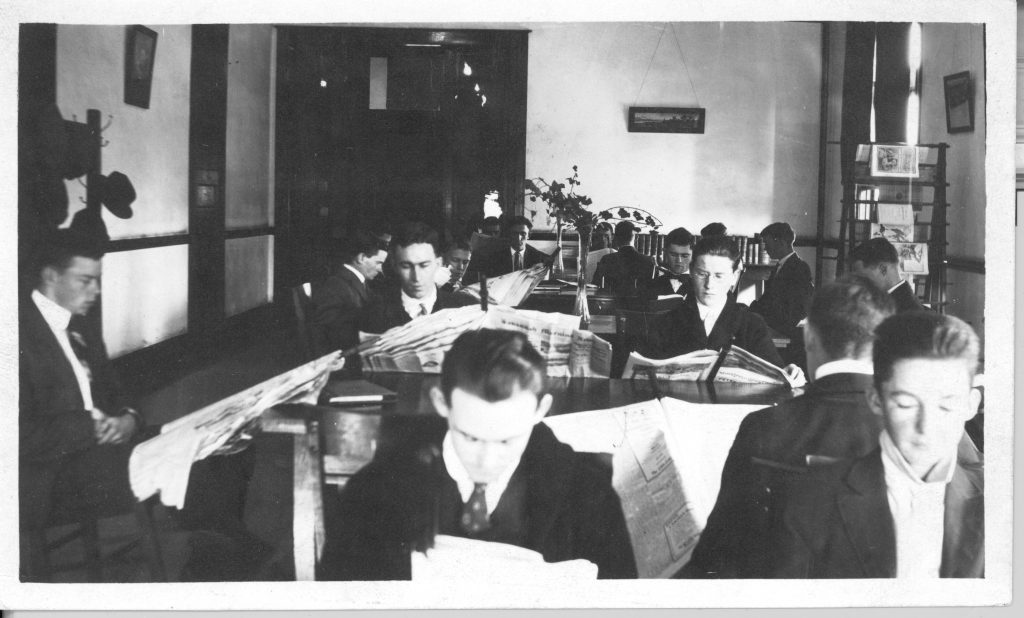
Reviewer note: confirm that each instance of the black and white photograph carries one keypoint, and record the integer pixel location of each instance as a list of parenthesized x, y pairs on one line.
[(379, 305)]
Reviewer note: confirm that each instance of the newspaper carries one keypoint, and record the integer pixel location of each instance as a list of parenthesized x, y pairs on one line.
[(667, 460), (470, 561), (162, 464), (510, 289), (420, 345), (737, 365)]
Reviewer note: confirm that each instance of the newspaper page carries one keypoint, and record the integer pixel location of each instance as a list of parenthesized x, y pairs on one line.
[(456, 559), (510, 289), (739, 365), (690, 367), (162, 464)]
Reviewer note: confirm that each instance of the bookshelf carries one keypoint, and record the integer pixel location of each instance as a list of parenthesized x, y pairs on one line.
[(899, 191)]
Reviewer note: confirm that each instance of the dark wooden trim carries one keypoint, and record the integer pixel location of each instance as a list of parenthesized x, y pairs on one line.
[(147, 242), (249, 232), (822, 153), (966, 264)]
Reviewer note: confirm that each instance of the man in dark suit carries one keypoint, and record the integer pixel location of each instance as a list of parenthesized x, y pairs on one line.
[(338, 299), (788, 291), (518, 255), (416, 257), (457, 256), (493, 472), (877, 260), (675, 277), (626, 271), (831, 420), (914, 506), (74, 424)]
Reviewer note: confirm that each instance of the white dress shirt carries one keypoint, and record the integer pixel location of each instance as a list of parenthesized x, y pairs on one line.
[(456, 470), (415, 306), (844, 365), (918, 508), (356, 272), (896, 286), (58, 318), (782, 261), (709, 315)]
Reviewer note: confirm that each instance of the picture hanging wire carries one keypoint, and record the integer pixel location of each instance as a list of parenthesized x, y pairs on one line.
[(682, 59)]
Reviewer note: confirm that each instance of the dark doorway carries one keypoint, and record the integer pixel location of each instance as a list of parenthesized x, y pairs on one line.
[(381, 125)]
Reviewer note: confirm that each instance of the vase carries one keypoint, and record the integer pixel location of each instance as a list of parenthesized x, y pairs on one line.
[(581, 308), (557, 265)]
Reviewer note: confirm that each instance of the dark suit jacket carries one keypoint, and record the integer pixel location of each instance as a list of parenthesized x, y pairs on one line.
[(832, 419), (836, 522), (500, 262), (625, 272), (337, 301), (905, 298), (54, 426), (662, 285), (787, 296), (386, 312), (571, 509), (683, 332)]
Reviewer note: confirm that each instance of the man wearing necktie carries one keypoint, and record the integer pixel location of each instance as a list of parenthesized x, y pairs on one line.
[(788, 291), (487, 468), (675, 268)]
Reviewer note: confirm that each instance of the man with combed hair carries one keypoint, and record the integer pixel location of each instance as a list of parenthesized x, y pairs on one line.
[(676, 260), (832, 419), (487, 468), (457, 257), (878, 260), (338, 299), (914, 507), (625, 272), (788, 290), (416, 257)]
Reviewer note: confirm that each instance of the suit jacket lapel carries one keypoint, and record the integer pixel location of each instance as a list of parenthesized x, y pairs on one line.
[(724, 327), (867, 519), (355, 283), (547, 470), (963, 541), (49, 349)]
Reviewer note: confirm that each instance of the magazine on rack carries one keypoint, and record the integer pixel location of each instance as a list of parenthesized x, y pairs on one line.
[(732, 364)]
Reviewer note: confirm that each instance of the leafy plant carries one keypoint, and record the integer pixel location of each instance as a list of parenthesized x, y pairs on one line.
[(569, 206)]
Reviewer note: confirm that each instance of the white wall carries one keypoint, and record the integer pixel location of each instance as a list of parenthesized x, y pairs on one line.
[(757, 161)]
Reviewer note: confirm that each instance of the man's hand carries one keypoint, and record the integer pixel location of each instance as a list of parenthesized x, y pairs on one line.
[(115, 429), (795, 374)]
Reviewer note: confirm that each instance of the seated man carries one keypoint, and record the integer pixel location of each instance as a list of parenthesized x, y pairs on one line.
[(491, 226), (714, 229), (832, 419), (915, 506), (457, 257), (493, 472), (600, 246), (74, 425), (877, 260), (788, 291), (338, 299), (626, 271), (676, 259), (519, 255), (414, 251), (711, 318)]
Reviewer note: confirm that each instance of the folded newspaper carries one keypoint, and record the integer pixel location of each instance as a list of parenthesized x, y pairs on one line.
[(733, 364), (420, 345), (510, 289), (455, 559), (162, 464)]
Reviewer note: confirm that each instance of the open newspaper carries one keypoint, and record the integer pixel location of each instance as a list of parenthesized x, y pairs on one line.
[(667, 460), (470, 561), (162, 464), (732, 364), (420, 345), (510, 289)]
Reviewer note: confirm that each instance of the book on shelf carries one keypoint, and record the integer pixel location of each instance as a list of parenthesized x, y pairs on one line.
[(731, 364), (355, 392)]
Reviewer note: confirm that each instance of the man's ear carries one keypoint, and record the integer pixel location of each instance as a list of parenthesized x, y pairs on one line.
[(440, 404), (875, 401), (542, 407), (49, 274), (973, 403)]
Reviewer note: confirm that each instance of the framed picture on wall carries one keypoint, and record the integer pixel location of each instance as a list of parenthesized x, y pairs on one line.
[(139, 53), (666, 120), (959, 102)]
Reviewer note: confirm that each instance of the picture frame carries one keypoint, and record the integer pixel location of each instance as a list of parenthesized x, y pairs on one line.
[(959, 93), (666, 119), (894, 161), (139, 54)]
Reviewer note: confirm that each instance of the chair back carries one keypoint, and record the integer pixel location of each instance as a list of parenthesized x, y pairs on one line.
[(301, 303), (633, 333)]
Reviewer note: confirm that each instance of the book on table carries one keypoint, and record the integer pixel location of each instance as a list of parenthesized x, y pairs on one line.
[(731, 364)]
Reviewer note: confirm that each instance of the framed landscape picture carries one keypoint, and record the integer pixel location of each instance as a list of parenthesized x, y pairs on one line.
[(139, 53), (666, 120)]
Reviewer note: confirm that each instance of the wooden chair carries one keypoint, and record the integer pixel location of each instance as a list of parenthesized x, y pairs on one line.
[(301, 303), (633, 333), (85, 528)]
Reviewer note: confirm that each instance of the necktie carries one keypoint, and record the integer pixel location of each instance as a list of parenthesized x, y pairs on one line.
[(423, 310), (517, 263), (79, 348), (474, 513)]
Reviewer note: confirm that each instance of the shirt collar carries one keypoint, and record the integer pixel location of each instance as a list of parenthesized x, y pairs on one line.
[(896, 286), (356, 272), (844, 365), (783, 259), (414, 303), (56, 317), (457, 470), (899, 471)]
